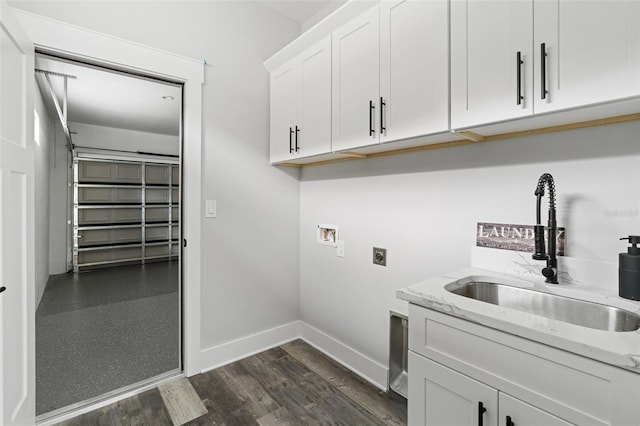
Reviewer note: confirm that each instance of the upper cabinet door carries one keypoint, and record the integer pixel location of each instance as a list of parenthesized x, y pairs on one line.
[(592, 52), (414, 68), (314, 124), (488, 83), (356, 77), (285, 103)]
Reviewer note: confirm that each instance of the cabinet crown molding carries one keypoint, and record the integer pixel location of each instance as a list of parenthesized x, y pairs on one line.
[(336, 19)]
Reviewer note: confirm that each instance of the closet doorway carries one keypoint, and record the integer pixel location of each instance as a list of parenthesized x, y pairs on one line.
[(108, 209)]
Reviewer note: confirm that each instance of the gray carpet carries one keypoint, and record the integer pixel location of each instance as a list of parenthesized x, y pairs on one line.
[(100, 330)]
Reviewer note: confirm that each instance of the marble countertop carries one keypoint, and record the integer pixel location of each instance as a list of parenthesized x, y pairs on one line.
[(621, 349)]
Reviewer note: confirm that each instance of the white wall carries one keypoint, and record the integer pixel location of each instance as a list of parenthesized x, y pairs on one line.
[(250, 258), (92, 136), (423, 207), (41, 158)]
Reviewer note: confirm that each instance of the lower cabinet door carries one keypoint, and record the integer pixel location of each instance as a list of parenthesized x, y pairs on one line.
[(439, 396), (514, 412)]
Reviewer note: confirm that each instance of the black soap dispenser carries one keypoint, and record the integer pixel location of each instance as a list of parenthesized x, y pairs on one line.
[(629, 270)]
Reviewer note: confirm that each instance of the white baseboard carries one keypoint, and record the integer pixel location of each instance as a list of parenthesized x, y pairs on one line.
[(360, 364), (370, 370), (229, 352)]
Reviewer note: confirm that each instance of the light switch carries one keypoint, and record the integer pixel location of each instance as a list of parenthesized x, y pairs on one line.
[(340, 248), (210, 208)]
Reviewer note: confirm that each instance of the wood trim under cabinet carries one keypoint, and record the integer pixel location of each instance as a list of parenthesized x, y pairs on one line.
[(469, 138)]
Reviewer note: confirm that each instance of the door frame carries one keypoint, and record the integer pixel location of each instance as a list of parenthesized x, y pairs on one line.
[(74, 42)]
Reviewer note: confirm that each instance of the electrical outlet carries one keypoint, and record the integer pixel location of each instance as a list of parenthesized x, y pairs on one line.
[(379, 256)]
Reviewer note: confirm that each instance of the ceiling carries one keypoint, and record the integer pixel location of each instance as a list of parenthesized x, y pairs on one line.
[(110, 98), (298, 10)]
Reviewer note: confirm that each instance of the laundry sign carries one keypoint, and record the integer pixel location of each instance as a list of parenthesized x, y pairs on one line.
[(513, 237)]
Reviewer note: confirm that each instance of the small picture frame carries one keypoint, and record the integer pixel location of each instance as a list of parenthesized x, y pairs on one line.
[(327, 235)]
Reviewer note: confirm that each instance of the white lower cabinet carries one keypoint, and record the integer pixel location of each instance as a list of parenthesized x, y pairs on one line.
[(463, 373), (513, 412), (440, 396)]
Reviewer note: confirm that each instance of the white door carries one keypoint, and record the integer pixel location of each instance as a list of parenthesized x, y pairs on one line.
[(356, 82), (285, 101), (514, 412), (414, 68), (314, 122), (17, 316), (439, 396), (592, 52), (487, 82)]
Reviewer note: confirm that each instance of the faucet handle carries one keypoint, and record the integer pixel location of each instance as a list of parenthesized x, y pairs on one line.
[(540, 252), (551, 275)]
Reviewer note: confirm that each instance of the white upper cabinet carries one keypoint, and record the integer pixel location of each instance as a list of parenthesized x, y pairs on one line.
[(284, 107), (573, 53), (301, 105), (414, 69), (391, 74), (404, 69), (491, 61), (592, 52), (314, 118), (356, 77)]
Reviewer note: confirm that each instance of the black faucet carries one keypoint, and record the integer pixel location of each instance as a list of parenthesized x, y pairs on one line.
[(551, 270)]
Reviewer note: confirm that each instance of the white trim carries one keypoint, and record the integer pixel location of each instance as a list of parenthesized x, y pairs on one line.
[(336, 19), (367, 368), (76, 42), (93, 45), (226, 353)]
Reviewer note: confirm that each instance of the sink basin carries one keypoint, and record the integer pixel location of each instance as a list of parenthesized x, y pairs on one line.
[(566, 309)]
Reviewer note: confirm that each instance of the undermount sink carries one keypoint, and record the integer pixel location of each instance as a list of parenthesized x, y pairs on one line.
[(566, 309)]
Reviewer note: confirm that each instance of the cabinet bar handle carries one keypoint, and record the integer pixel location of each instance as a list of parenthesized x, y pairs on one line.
[(509, 421), (519, 63), (543, 71), (2, 289), (372, 131), (290, 140), (382, 105), (481, 411), (297, 147)]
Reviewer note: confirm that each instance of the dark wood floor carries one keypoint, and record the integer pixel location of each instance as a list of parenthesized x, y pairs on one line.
[(292, 384)]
